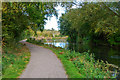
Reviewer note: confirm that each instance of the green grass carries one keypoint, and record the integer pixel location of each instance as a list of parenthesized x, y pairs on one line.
[(14, 60), (80, 65), (71, 70)]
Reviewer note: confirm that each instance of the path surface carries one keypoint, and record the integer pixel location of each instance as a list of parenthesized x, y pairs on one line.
[(43, 64)]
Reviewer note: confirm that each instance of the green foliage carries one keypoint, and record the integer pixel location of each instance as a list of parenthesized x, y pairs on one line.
[(22, 18), (93, 21), (86, 65), (34, 41), (48, 33), (14, 60)]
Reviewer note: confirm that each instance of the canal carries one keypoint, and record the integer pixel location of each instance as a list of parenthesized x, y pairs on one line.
[(105, 53)]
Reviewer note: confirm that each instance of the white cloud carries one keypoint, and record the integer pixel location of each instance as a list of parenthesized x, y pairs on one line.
[(52, 23)]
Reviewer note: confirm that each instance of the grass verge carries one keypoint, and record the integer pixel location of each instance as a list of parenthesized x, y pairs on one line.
[(14, 60)]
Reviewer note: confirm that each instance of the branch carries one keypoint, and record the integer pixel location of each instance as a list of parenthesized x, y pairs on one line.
[(111, 10)]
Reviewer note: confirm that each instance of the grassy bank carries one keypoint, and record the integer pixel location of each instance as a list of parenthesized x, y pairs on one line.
[(80, 65), (14, 60)]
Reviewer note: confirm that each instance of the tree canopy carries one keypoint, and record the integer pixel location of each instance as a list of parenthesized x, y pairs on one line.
[(19, 18), (92, 21)]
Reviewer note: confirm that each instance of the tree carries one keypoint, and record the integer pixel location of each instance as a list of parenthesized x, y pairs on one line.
[(93, 21), (19, 18)]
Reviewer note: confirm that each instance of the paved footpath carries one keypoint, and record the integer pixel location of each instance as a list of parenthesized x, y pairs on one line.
[(43, 64)]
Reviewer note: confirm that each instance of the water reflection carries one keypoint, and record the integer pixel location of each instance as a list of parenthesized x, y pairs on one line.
[(104, 53), (59, 44)]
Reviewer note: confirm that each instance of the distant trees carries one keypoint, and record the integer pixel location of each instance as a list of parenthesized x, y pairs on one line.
[(48, 33), (52, 29), (92, 22)]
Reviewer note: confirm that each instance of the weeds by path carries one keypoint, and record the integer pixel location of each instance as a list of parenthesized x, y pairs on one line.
[(14, 60)]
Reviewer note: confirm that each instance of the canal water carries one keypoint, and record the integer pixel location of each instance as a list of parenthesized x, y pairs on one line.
[(105, 53)]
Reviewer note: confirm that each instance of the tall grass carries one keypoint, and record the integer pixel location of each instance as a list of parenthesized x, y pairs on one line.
[(14, 60)]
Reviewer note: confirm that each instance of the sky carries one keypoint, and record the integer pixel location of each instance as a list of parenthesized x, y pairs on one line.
[(52, 22)]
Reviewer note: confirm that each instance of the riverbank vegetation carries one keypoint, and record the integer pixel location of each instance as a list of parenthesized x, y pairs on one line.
[(96, 23), (80, 65), (14, 60)]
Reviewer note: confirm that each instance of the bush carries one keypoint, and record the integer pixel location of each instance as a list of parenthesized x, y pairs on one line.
[(32, 40), (87, 66)]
